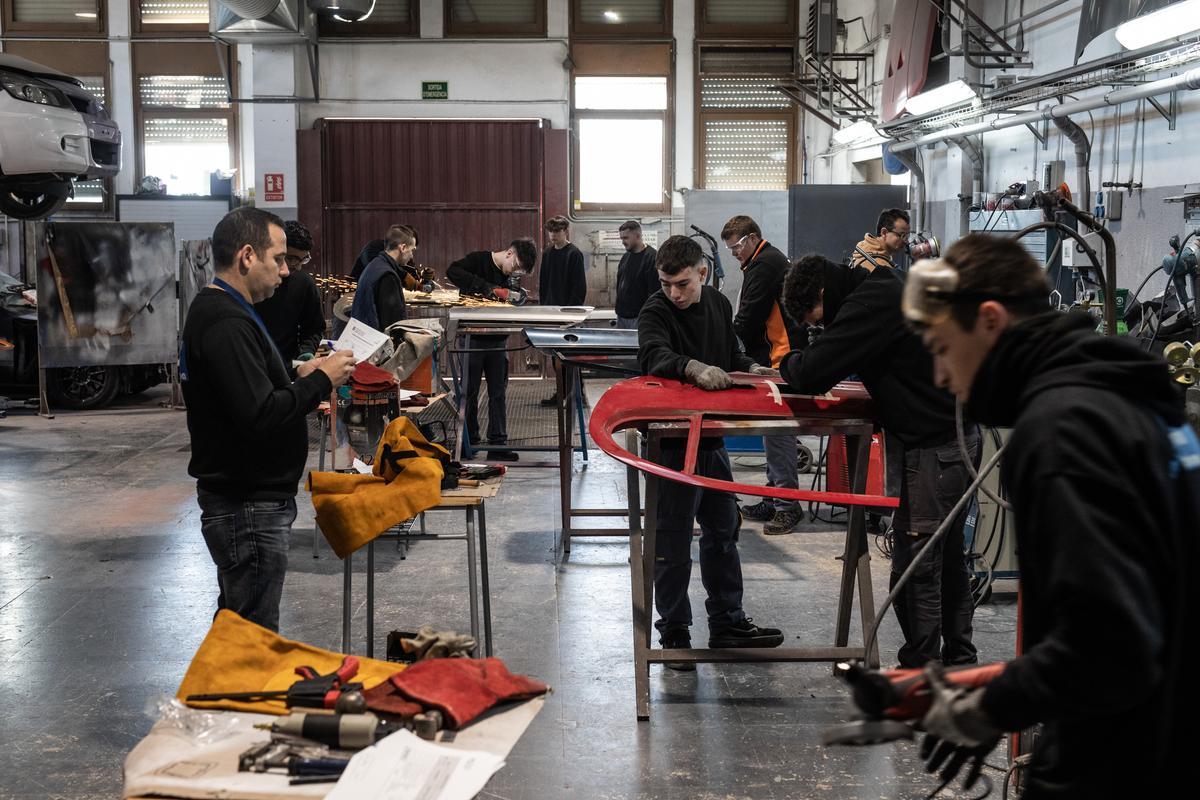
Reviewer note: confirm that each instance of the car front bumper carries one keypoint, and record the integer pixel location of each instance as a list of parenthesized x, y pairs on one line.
[(37, 139)]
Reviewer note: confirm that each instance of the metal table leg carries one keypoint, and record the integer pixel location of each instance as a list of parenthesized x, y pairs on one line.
[(577, 388), (371, 599), (487, 592), (856, 556), (641, 562), (563, 418), (347, 572), (473, 586)]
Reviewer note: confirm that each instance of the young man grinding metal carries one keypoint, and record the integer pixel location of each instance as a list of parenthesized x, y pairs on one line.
[(865, 335), (1104, 478), (685, 332)]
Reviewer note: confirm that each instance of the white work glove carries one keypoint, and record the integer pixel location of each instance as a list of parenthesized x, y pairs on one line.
[(707, 376), (957, 728), (755, 369)]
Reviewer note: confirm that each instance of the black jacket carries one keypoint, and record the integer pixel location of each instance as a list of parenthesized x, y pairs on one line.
[(1106, 518), (293, 315), (563, 278), (637, 280), (246, 417), (761, 323), (476, 273), (865, 335), (379, 296), (669, 337)]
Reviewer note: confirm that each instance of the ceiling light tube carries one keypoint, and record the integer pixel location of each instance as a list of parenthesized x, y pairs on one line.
[(1177, 19), (948, 94), (861, 132)]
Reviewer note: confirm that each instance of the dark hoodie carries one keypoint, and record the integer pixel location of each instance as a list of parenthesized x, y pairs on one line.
[(1107, 544), (865, 335)]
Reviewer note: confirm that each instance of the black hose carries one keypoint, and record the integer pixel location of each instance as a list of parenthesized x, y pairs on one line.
[(1083, 245)]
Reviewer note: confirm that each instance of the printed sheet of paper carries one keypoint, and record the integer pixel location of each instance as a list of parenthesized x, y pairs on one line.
[(403, 767), (364, 340)]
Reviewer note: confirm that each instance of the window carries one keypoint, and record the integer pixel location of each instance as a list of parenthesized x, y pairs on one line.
[(152, 17), (71, 17), (775, 19), (390, 18), (495, 17), (621, 18), (621, 136), (185, 122), (92, 195)]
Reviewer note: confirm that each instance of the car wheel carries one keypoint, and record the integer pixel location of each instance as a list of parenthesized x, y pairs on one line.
[(84, 387), (34, 203)]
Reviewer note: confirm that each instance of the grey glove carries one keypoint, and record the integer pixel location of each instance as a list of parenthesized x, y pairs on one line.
[(707, 376), (755, 369), (430, 643), (959, 731)]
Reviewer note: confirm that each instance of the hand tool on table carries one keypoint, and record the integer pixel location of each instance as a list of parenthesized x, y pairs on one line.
[(352, 731), (313, 690), (893, 701)]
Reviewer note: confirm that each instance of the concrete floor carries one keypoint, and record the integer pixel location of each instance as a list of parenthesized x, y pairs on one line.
[(106, 590)]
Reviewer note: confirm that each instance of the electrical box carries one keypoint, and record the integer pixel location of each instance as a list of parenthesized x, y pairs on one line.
[(1112, 203), (1053, 174), (1073, 255)]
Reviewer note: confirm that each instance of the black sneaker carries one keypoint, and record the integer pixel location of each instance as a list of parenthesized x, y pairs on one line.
[(678, 642), (549, 402), (502, 455), (759, 512), (784, 521), (744, 634)]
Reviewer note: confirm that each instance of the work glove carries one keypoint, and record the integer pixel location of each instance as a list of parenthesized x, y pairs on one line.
[(756, 369), (958, 730), (707, 376), (429, 643)]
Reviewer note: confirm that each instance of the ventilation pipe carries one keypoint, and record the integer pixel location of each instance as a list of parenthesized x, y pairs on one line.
[(1083, 153), (914, 167), (1188, 81)]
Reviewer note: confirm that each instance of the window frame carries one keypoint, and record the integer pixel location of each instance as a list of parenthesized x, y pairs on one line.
[(534, 30), (88, 28), (137, 31), (189, 63), (708, 30), (788, 115), (329, 29), (581, 29)]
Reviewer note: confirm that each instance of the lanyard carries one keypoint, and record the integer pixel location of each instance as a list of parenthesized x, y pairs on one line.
[(245, 304)]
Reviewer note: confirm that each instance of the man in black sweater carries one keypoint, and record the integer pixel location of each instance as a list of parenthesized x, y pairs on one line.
[(379, 296), (293, 313), (685, 332), (865, 335), (246, 416), (1103, 474), (637, 278), (486, 273), (563, 279), (768, 334)]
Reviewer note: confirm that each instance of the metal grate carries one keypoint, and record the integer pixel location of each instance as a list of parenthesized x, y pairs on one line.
[(745, 154), (174, 12), (183, 91), (494, 12), (730, 60), (741, 93), (71, 12), (746, 12), (621, 12), (185, 131)]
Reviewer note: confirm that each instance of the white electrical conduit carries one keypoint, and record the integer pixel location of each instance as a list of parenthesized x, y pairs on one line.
[(1187, 81)]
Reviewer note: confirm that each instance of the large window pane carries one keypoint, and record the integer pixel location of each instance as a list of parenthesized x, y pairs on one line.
[(494, 12), (746, 12), (621, 161), (745, 154), (620, 12), (174, 12), (183, 91), (631, 94), (55, 11), (183, 152)]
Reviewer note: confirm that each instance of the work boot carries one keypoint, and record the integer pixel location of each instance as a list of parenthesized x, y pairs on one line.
[(678, 641), (502, 455), (743, 634), (784, 521), (549, 402), (761, 511)]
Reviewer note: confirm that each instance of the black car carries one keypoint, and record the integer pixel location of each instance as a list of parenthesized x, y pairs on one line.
[(72, 387)]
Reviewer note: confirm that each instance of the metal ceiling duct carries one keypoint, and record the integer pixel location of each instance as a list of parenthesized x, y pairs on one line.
[(259, 21)]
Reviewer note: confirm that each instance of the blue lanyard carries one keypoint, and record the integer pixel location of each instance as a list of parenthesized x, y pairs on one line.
[(245, 304)]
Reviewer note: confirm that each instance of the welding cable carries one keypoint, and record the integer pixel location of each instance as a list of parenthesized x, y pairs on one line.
[(937, 536), (966, 456)]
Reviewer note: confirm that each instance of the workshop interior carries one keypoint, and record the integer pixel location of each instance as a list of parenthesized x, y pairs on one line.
[(527, 399)]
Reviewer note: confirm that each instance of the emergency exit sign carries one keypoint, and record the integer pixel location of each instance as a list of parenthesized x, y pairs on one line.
[(435, 90)]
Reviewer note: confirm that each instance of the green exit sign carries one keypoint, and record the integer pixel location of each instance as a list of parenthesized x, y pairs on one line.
[(435, 90)]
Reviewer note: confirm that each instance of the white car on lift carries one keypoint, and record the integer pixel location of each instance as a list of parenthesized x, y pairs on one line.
[(51, 133)]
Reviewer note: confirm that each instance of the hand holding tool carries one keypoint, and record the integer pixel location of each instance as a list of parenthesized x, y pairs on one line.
[(706, 376)]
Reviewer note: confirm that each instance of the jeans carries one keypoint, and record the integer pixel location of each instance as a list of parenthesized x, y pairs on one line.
[(781, 453), (935, 608), (494, 366), (248, 541), (627, 323), (679, 507)]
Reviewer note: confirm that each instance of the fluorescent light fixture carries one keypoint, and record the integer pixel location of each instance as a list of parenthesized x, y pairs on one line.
[(1177, 19), (86, 14), (612, 16), (860, 133), (948, 94)]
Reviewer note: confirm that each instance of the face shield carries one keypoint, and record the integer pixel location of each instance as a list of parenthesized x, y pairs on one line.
[(928, 292)]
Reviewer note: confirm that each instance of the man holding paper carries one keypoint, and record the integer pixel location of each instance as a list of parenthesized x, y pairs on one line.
[(246, 417)]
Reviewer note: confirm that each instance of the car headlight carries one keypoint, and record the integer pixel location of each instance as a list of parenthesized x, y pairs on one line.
[(32, 90)]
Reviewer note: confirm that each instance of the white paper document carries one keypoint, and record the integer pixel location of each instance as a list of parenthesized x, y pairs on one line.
[(403, 767), (364, 340)]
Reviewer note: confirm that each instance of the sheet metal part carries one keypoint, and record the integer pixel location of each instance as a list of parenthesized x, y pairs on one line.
[(521, 315), (583, 340), (638, 402)]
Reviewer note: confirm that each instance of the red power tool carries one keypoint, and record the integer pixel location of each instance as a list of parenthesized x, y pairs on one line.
[(313, 690), (892, 701)]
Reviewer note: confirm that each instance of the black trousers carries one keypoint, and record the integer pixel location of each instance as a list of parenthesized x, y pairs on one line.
[(935, 608), (679, 507), (492, 364)]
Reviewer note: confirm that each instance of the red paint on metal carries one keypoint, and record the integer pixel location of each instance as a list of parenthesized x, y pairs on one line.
[(637, 402), (914, 24)]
